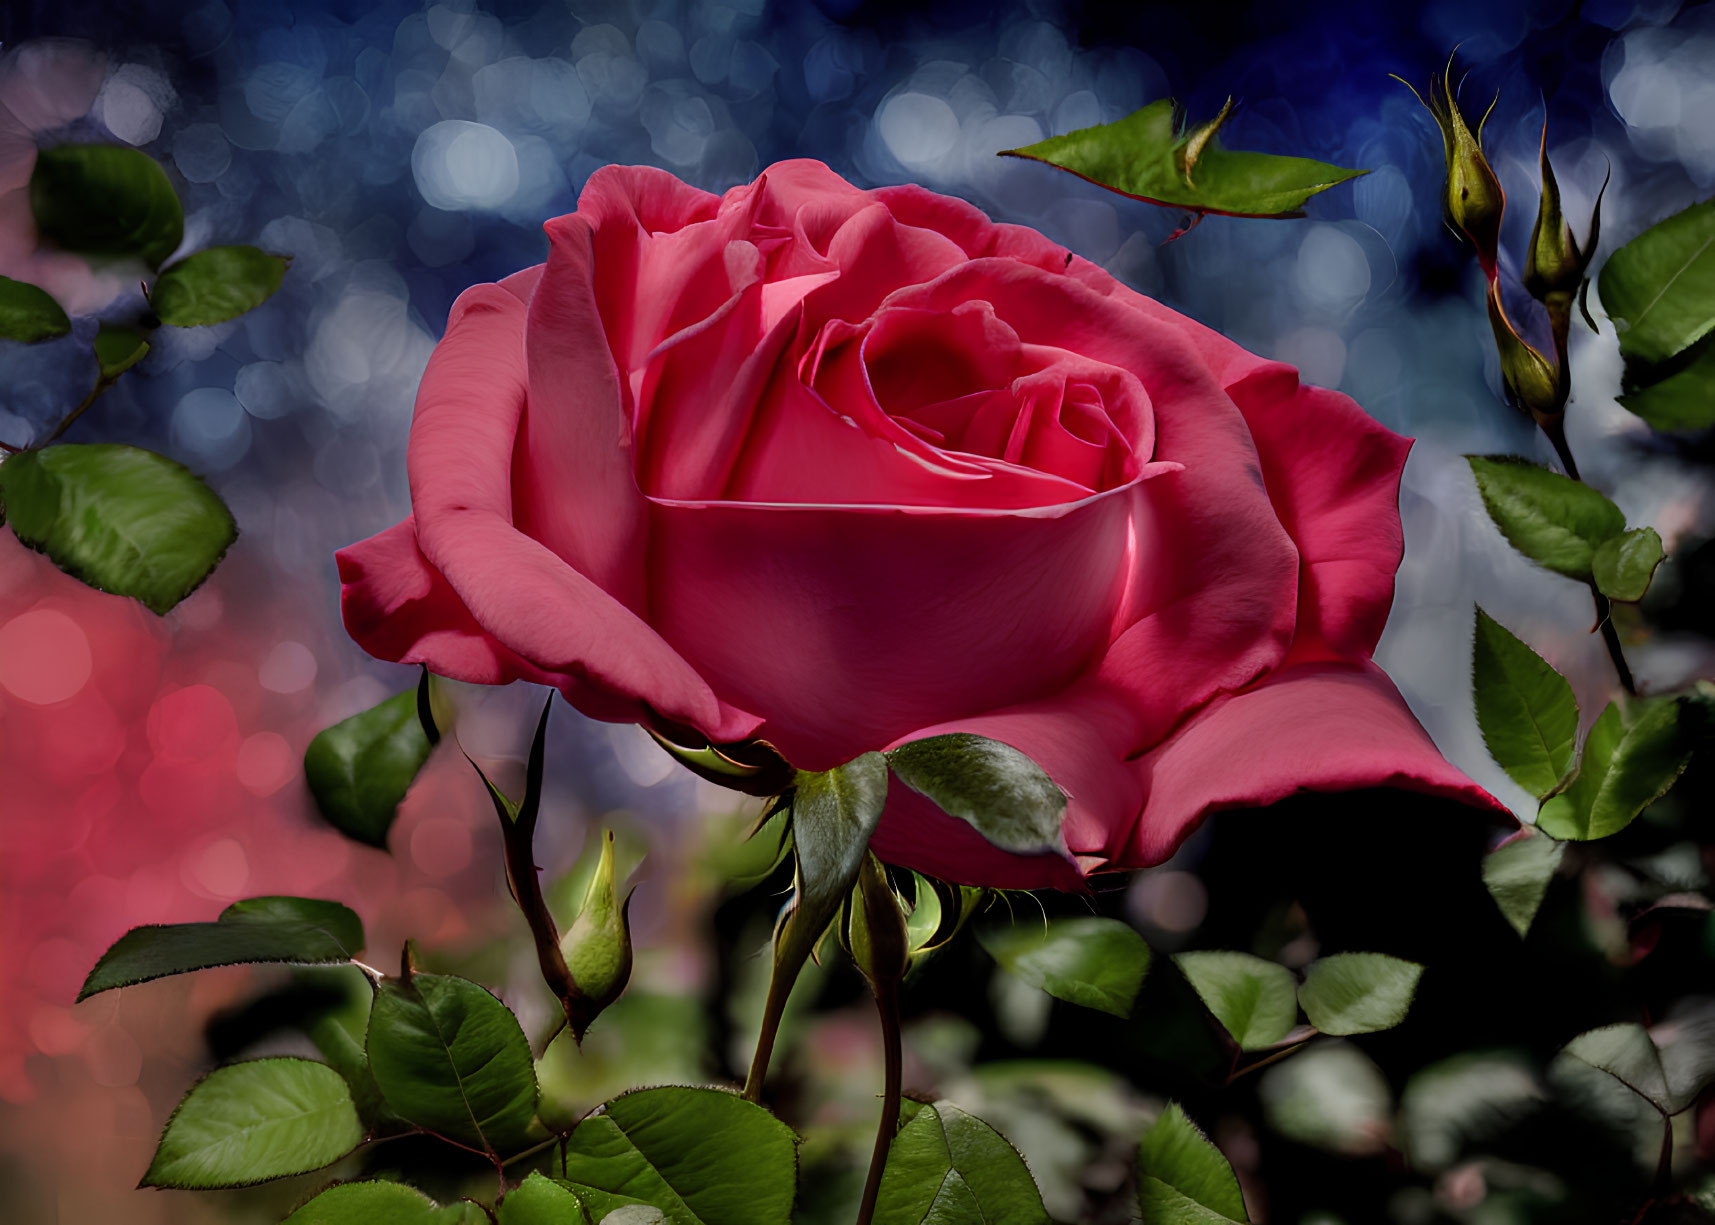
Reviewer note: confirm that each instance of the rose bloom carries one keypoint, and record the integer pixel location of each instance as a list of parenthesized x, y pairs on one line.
[(841, 469)]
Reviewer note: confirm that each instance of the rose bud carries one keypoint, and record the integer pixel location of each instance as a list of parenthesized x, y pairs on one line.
[(1533, 383), (1555, 266), (840, 469), (1472, 200), (597, 948), (876, 935)]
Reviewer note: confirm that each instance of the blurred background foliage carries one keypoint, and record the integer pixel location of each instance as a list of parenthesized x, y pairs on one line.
[(400, 152)]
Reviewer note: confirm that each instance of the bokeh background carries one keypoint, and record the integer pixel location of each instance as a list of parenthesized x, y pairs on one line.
[(150, 767)]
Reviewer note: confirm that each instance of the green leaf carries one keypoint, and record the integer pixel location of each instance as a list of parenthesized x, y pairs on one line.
[(1528, 716), (1623, 565), (947, 1167), (117, 349), (360, 768), (1149, 155), (339, 1032), (381, 1203), (1553, 520), (1330, 1095), (1659, 289), (250, 1122), (1001, 792), (1255, 1001), (450, 1057), (1517, 874), (833, 815), (106, 200), (295, 930), (1460, 1104), (118, 518), (1099, 963), (215, 285), (702, 1156), (1682, 398), (1629, 762), (1183, 1179), (28, 313), (1626, 1053), (539, 1200), (1358, 993)]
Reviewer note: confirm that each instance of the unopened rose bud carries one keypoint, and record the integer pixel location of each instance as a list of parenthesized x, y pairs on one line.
[(879, 940), (597, 949), (1472, 200), (1532, 381), (1555, 266)]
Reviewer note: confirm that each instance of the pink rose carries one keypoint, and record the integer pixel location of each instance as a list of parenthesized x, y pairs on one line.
[(842, 469)]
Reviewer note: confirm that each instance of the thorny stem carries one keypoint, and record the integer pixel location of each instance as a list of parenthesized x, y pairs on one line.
[(1556, 432), (526, 888), (887, 1004)]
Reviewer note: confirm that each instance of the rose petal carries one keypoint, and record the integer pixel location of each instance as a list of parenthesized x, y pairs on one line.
[(1333, 474), (1316, 727), (398, 607), (843, 449), (463, 438), (1213, 574), (573, 487), (847, 627)]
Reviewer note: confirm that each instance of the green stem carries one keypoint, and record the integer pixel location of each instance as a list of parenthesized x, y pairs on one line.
[(779, 990), (1556, 432), (887, 1004), (66, 422)]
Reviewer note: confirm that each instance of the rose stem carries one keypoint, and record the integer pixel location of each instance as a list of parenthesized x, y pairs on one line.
[(887, 1004), (1556, 432), (518, 836), (779, 989)]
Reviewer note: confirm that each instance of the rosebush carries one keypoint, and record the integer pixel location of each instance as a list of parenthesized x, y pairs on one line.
[(841, 469)]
